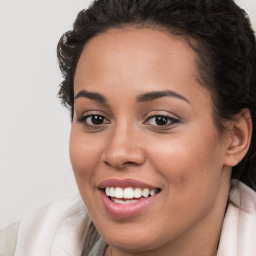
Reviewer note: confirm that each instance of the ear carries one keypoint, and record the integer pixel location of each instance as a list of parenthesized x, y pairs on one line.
[(240, 133)]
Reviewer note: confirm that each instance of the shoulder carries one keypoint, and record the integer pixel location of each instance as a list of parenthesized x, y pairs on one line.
[(238, 231), (59, 227), (8, 239), (243, 197)]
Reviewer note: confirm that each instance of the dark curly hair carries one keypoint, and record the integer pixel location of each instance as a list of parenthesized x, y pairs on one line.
[(218, 31)]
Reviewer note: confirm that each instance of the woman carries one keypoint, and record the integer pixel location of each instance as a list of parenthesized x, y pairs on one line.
[(162, 99)]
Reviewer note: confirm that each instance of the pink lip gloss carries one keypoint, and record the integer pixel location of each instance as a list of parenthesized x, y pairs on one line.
[(127, 206)]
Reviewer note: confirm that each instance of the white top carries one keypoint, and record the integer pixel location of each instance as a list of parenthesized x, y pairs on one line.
[(64, 228), (238, 235)]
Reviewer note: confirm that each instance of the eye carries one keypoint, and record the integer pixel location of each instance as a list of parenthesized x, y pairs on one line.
[(93, 120), (161, 120)]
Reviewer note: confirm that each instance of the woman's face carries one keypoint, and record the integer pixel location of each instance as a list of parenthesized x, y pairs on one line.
[(143, 133)]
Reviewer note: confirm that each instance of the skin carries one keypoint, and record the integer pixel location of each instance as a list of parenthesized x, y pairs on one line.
[(189, 160)]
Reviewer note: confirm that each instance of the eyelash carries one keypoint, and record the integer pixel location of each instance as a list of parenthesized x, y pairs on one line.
[(83, 120), (103, 120), (170, 120)]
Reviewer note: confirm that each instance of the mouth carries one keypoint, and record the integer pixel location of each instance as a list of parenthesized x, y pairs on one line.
[(129, 195), (127, 198)]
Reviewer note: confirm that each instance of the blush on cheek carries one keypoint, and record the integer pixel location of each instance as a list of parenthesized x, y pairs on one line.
[(80, 157), (173, 157), (86, 150)]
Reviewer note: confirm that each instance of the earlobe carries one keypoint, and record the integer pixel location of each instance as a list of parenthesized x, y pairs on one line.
[(240, 133)]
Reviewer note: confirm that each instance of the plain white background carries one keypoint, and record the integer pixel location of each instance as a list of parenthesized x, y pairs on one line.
[(34, 127)]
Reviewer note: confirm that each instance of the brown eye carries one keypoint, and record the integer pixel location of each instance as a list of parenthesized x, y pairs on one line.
[(159, 120), (94, 120)]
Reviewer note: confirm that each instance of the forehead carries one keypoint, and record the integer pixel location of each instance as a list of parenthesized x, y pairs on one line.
[(130, 60), (136, 51), (140, 41)]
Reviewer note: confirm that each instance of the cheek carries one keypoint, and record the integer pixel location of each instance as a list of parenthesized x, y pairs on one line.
[(188, 160), (84, 154), (191, 170)]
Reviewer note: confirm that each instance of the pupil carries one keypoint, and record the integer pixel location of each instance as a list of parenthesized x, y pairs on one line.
[(97, 119), (161, 120)]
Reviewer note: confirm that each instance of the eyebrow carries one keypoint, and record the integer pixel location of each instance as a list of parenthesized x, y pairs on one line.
[(150, 96), (92, 96), (146, 97)]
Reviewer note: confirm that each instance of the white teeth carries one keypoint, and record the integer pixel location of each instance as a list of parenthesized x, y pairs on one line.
[(112, 192), (129, 193), (123, 201), (119, 193), (152, 192), (145, 192), (107, 191), (137, 193)]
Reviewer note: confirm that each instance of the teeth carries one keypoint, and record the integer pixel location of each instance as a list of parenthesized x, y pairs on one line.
[(152, 192), (119, 193), (111, 192), (145, 192), (123, 201), (129, 193), (137, 193)]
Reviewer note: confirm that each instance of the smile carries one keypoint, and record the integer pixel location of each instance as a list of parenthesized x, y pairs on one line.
[(129, 195), (127, 198)]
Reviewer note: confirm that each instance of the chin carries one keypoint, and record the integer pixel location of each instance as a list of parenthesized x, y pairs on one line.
[(132, 238)]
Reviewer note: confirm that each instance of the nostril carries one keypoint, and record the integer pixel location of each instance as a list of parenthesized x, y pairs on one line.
[(129, 163), (120, 165)]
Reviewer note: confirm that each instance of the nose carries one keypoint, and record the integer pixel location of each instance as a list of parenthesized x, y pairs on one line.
[(124, 148)]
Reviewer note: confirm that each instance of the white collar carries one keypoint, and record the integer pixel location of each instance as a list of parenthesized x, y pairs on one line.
[(56, 229), (238, 236)]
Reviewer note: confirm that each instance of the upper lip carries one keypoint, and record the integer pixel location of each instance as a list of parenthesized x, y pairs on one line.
[(123, 183)]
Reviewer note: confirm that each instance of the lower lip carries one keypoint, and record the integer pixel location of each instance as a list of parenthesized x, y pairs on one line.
[(127, 210)]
